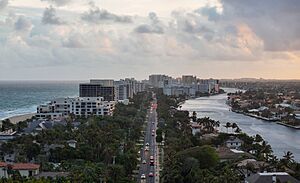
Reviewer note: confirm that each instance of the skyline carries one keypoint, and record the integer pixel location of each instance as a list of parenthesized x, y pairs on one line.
[(78, 40)]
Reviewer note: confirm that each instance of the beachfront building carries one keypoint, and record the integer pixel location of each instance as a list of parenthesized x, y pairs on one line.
[(186, 85), (97, 90), (80, 106)]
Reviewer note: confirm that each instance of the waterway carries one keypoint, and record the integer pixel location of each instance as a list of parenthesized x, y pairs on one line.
[(281, 138)]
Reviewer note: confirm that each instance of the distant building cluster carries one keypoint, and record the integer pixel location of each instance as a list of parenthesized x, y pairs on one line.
[(186, 85), (98, 97)]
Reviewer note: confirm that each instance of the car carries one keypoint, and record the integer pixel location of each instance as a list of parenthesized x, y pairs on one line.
[(153, 123), (147, 144), (151, 162), (144, 162), (147, 148), (153, 134), (143, 176), (151, 174), (151, 157), (153, 131)]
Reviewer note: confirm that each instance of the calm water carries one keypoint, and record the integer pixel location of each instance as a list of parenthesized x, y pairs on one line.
[(281, 138), (22, 97)]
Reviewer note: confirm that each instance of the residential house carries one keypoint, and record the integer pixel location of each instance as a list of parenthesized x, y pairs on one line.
[(3, 170), (271, 177), (26, 169), (72, 143), (234, 143)]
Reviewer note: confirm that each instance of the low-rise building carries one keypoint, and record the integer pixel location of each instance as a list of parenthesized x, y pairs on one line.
[(272, 177), (3, 170), (26, 169)]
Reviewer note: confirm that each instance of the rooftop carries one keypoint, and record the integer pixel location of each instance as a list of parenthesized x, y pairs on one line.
[(25, 166)]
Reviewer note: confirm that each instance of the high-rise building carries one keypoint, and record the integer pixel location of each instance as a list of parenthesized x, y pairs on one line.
[(97, 90), (188, 79), (159, 81), (103, 82)]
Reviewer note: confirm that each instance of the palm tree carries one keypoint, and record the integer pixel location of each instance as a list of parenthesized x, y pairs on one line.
[(228, 125), (194, 116), (234, 125), (288, 158), (238, 130)]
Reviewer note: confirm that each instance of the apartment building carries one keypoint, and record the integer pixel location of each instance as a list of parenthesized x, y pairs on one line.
[(97, 90), (80, 106)]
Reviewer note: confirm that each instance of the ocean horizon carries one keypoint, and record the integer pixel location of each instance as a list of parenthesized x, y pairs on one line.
[(19, 97)]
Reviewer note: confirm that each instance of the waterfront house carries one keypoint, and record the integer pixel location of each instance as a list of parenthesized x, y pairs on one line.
[(234, 143), (272, 177), (196, 128)]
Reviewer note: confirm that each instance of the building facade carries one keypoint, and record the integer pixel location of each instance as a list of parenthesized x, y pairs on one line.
[(81, 106), (97, 90)]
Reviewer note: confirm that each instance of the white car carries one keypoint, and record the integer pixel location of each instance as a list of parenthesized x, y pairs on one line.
[(147, 144), (143, 176), (144, 162)]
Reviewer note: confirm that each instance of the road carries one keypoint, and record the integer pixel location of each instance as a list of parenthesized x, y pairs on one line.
[(150, 134)]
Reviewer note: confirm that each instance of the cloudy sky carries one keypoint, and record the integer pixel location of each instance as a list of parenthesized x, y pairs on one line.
[(81, 39)]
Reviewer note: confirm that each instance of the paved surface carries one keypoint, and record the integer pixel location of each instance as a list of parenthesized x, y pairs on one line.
[(145, 155)]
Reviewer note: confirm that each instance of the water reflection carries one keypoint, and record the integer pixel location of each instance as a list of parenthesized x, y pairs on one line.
[(281, 138)]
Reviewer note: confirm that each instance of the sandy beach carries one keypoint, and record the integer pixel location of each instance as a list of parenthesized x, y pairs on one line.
[(17, 119)]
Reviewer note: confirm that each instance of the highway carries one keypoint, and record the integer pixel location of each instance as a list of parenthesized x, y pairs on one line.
[(149, 148)]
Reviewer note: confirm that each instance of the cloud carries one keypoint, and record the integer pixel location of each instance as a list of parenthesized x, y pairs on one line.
[(23, 24), (276, 22), (210, 12), (58, 2), (155, 26), (50, 17), (3, 4), (97, 15)]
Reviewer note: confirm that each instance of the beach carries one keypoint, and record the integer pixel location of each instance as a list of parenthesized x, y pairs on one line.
[(19, 118)]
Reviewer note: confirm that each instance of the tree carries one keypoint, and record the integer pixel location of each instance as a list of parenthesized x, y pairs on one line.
[(238, 130), (228, 125), (194, 116), (288, 158), (258, 138)]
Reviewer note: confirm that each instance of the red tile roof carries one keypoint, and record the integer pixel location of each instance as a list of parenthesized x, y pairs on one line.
[(25, 166), (2, 164)]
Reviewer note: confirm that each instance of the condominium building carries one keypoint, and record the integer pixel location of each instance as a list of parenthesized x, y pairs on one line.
[(159, 81), (80, 106), (188, 80), (97, 90), (103, 82)]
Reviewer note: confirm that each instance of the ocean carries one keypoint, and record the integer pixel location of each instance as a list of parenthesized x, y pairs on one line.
[(22, 97)]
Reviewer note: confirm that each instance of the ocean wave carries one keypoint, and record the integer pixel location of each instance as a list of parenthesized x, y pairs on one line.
[(17, 112)]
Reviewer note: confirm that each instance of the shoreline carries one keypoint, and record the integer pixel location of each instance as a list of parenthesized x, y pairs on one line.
[(18, 118), (290, 126), (266, 119)]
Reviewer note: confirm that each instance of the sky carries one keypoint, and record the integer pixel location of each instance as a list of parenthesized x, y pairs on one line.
[(82, 39)]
